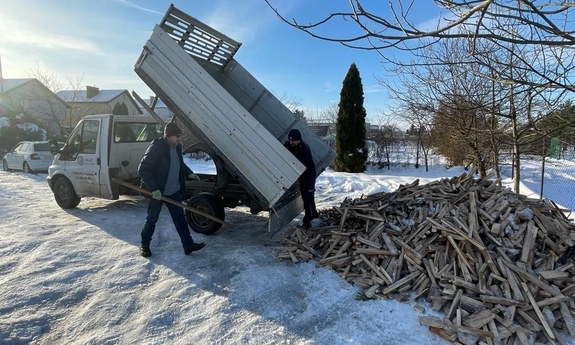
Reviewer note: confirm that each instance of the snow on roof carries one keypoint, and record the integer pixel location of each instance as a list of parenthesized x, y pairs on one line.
[(77, 96), (10, 84)]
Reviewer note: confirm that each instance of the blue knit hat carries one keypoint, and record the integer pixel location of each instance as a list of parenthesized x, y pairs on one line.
[(294, 134)]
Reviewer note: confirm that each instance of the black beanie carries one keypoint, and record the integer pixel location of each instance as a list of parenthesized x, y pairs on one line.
[(294, 134), (172, 129)]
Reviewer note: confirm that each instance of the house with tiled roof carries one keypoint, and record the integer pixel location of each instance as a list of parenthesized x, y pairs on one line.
[(31, 97), (92, 100)]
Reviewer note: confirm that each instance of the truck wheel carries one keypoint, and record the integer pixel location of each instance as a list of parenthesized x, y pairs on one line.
[(206, 203), (65, 194)]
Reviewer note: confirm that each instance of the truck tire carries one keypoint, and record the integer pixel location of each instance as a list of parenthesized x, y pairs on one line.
[(207, 203), (65, 194)]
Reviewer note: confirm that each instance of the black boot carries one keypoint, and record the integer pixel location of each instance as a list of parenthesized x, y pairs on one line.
[(145, 252), (194, 247)]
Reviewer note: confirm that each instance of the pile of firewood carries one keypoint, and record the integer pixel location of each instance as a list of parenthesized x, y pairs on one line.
[(497, 263)]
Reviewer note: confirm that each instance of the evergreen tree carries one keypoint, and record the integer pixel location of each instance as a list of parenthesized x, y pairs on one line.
[(350, 126), (120, 109), (300, 115), (560, 123), (12, 134)]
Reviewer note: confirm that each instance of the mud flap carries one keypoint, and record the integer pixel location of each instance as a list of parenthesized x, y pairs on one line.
[(284, 212)]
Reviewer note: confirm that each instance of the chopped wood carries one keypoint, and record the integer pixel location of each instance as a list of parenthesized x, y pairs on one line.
[(368, 242), (499, 265), (479, 319), (369, 293), (443, 333), (531, 299), (552, 300), (372, 251), (567, 318), (434, 321), (529, 241), (500, 300), (390, 245), (419, 308), (400, 282), (454, 304), (554, 275)]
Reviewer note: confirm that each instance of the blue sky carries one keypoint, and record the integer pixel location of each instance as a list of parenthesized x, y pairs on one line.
[(99, 41)]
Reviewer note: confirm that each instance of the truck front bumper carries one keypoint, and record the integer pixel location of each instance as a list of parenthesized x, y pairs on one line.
[(49, 180)]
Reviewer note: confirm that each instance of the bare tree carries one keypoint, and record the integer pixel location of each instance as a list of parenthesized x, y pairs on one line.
[(44, 98), (478, 17), (386, 138), (421, 125), (329, 113), (55, 85), (545, 25), (441, 96)]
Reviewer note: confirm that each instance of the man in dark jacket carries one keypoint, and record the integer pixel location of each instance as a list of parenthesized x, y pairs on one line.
[(306, 181), (163, 172)]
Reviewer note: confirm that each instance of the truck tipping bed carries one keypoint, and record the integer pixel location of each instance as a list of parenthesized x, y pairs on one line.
[(191, 67)]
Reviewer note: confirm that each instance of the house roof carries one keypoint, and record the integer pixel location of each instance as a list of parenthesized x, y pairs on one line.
[(80, 96), (159, 103), (10, 84), (320, 130)]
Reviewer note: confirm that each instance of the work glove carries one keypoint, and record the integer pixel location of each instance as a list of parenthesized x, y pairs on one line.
[(157, 194), (194, 177)]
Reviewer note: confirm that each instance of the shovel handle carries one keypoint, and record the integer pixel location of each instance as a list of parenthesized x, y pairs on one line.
[(147, 192)]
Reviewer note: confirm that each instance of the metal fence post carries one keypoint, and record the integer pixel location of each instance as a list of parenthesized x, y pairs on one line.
[(544, 155)]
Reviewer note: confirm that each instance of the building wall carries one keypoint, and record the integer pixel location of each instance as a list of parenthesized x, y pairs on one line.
[(36, 100), (80, 109)]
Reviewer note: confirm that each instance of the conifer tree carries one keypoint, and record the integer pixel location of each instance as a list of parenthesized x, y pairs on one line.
[(350, 126)]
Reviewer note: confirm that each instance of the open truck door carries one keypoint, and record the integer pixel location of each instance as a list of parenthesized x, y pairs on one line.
[(83, 158)]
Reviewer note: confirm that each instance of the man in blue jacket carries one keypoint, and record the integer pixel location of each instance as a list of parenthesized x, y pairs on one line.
[(306, 181), (163, 172)]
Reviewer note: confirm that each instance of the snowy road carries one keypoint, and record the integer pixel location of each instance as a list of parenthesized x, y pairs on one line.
[(75, 277)]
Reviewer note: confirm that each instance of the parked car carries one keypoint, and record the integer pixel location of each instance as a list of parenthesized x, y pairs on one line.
[(29, 156)]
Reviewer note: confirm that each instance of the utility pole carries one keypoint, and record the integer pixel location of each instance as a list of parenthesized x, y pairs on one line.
[(1, 79)]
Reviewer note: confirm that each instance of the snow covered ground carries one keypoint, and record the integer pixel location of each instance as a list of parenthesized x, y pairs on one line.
[(75, 276)]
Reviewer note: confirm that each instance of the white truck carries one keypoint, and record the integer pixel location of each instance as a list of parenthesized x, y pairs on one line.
[(235, 119)]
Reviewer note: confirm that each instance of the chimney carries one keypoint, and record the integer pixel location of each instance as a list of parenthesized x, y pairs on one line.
[(91, 91)]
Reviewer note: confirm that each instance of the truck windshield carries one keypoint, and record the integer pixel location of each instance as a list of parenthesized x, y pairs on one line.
[(131, 132)]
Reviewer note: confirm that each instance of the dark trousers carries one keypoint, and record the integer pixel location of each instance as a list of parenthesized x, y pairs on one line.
[(178, 217), (307, 190)]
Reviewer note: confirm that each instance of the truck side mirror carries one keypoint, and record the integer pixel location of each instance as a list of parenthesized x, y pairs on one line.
[(54, 149)]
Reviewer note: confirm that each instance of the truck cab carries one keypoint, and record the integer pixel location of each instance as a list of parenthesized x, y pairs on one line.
[(100, 148)]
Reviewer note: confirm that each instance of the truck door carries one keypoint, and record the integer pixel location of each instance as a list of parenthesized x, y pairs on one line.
[(83, 169)]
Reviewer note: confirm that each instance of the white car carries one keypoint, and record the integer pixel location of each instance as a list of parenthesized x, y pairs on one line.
[(29, 156)]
